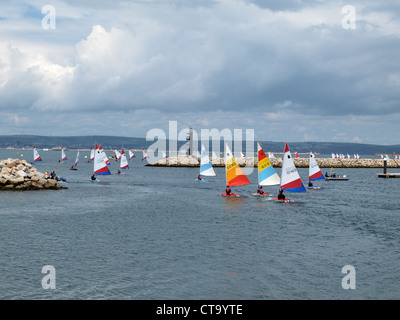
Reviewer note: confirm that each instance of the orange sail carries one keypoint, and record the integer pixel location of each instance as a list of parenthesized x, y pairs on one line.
[(234, 174)]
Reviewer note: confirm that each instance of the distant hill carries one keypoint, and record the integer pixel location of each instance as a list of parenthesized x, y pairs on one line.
[(111, 142)]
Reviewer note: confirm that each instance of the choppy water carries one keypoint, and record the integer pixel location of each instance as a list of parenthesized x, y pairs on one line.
[(155, 233)]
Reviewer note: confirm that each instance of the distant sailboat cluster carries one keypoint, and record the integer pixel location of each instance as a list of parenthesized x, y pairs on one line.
[(342, 156)]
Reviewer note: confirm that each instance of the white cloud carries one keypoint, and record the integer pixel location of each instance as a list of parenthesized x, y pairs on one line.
[(211, 63)]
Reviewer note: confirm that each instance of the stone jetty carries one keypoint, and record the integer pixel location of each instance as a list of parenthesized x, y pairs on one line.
[(191, 161), (17, 174)]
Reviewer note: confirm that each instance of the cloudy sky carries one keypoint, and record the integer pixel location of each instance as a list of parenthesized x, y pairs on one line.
[(292, 70)]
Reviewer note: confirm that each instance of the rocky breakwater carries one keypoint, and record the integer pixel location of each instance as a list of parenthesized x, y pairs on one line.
[(19, 175), (187, 161)]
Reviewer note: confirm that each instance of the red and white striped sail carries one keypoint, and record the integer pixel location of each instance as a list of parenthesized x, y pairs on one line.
[(117, 154), (63, 155), (131, 154), (36, 156), (290, 179), (314, 172), (99, 164), (124, 162)]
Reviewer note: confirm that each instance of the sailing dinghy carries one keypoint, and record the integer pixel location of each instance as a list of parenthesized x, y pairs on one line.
[(124, 162), (117, 154), (290, 179), (91, 155), (145, 155), (314, 172), (100, 166), (206, 168), (76, 162), (36, 156), (234, 174), (63, 155), (267, 175)]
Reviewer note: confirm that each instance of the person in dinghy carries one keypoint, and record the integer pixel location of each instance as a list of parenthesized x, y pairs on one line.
[(281, 196), (260, 191), (228, 191)]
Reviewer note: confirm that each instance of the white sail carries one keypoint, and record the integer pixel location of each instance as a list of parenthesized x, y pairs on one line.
[(124, 162), (77, 158), (206, 168), (145, 156), (36, 156), (131, 155), (117, 154), (91, 154), (63, 155), (103, 154), (314, 172), (99, 163), (290, 179)]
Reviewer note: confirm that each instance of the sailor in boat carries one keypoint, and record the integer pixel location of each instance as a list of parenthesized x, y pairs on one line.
[(198, 177), (228, 191), (93, 177), (310, 184), (260, 190), (281, 196), (119, 171)]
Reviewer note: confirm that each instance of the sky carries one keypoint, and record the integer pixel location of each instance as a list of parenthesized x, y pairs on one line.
[(291, 70)]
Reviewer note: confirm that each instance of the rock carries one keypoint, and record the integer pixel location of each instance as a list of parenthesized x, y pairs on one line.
[(20, 175)]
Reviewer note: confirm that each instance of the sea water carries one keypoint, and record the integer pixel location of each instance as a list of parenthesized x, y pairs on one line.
[(156, 233)]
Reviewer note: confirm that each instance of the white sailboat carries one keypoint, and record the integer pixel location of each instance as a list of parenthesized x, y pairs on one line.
[(206, 168), (36, 156), (290, 178), (99, 165), (76, 161), (124, 162), (145, 155), (314, 172), (63, 155)]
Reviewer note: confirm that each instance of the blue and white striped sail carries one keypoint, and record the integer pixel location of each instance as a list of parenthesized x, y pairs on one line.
[(206, 168)]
